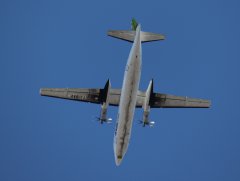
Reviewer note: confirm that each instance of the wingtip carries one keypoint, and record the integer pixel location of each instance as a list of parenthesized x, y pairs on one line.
[(40, 91), (43, 91), (209, 104)]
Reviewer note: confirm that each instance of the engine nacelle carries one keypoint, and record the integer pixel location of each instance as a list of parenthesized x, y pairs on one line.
[(145, 120), (104, 96), (103, 114), (146, 108)]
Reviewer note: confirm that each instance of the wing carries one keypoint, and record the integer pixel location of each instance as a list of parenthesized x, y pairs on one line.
[(157, 100), (84, 95), (170, 101)]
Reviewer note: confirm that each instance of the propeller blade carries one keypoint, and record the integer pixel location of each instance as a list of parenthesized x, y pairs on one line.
[(108, 120)]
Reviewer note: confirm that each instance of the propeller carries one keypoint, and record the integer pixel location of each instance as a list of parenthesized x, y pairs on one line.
[(146, 123), (108, 120)]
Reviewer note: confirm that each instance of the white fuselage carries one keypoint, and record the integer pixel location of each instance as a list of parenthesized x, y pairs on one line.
[(128, 99)]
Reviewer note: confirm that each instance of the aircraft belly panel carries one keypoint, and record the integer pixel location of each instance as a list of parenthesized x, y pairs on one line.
[(128, 100)]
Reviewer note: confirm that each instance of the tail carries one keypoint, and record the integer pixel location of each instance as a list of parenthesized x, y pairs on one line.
[(129, 35)]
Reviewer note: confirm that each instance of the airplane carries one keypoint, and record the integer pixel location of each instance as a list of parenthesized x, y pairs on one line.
[(129, 97)]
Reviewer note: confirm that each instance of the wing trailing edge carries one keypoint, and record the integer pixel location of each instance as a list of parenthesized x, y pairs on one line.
[(170, 101)]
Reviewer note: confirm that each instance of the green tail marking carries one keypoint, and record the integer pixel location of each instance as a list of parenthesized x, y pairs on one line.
[(134, 24)]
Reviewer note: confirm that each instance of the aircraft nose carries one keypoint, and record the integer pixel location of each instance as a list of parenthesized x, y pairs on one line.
[(118, 160)]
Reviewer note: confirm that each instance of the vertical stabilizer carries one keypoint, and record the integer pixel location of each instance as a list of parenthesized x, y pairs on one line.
[(134, 24)]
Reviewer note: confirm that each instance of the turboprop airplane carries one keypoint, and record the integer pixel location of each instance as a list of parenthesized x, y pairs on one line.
[(129, 97)]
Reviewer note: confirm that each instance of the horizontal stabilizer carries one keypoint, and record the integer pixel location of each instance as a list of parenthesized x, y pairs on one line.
[(130, 35), (122, 34), (147, 37)]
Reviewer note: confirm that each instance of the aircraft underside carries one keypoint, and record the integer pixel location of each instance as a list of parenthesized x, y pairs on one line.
[(129, 97)]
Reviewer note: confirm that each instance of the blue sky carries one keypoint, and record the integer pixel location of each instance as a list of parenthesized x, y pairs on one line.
[(64, 44)]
